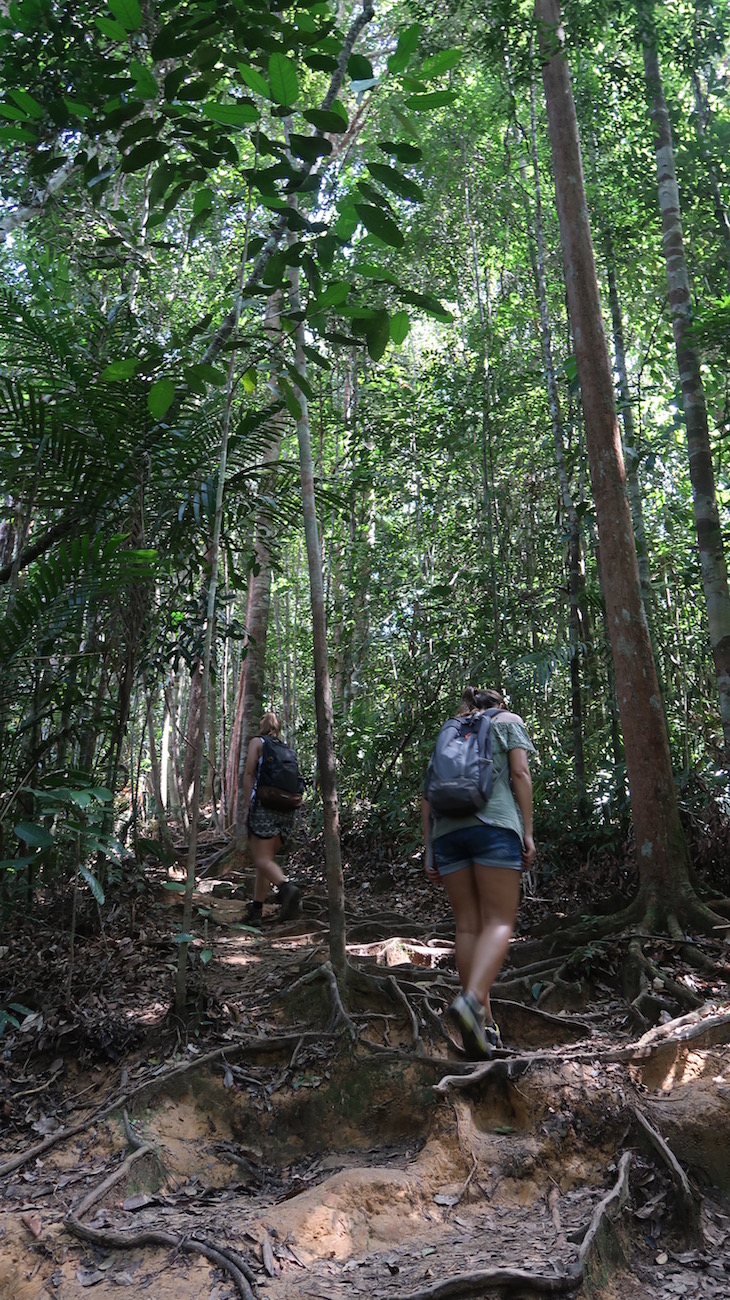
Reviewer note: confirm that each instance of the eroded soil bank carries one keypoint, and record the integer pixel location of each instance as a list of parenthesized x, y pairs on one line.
[(323, 1157)]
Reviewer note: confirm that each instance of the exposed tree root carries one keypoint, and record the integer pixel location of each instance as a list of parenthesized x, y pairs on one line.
[(593, 1247), (497, 1279), (596, 1242), (230, 1261), (340, 1017)]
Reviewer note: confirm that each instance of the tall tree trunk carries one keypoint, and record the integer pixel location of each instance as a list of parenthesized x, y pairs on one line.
[(702, 477), (701, 119), (251, 682), (322, 685), (576, 581), (662, 855)]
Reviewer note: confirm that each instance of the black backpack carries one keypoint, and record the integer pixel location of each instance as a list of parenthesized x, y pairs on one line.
[(280, 783), (460, 776)]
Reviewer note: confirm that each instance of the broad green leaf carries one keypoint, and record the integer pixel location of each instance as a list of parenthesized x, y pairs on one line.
[(173, 886), (101, 794), (120, 370), (406, 123), (114, 31), (359, 68), (93, 884), (160, 398), (432, 99), (443, 61), (147, 87), (16, 864), (208, 374), (428, 303), (127, 12), (34, 835), (81, 798), (372, 271), (143, 154), (333, 295), (405, 49), (241, 113), (377, 223), (378, 334), (76, 109), (325, 121), (206, 955), (203, 200), (182, 938), (396, 181), (30, 106), (13, 114), (250, 381), (255, 82), (309, 147), (400, 325), (400, 149), (283, 79), (316, 358)]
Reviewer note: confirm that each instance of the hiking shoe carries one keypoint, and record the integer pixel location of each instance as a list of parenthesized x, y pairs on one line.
[(494, 1037), (254, 916), (477, 1037), (291, 901)]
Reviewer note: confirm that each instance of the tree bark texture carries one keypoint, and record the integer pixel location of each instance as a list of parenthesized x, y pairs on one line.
[(251, 684), (322, 684), (702, 476), (661, 848)]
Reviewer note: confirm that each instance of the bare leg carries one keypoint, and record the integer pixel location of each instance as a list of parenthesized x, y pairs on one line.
[(461, 891), (268, 871), (499, 897)]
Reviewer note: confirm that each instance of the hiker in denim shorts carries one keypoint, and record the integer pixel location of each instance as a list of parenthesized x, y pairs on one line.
[(480, 859)]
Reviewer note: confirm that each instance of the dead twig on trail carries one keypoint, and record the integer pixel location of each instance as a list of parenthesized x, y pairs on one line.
[(679, 1178), (607, 1209), (554, 1207), (98, 1192)]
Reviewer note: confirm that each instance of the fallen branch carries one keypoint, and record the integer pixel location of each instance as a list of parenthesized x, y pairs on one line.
[(679, 1177), (606, 1210)]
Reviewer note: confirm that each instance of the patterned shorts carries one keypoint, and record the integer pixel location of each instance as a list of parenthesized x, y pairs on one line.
[(265, 823)]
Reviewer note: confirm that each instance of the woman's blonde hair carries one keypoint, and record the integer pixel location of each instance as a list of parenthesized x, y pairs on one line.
[(269, 725)]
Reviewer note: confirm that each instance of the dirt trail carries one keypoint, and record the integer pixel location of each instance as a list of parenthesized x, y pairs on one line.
[(333, 1167)]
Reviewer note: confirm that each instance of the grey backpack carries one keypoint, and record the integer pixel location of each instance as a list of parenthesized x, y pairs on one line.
[(460, 776)]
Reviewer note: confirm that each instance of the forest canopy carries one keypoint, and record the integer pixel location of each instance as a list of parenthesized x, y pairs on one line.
[(232, 227)]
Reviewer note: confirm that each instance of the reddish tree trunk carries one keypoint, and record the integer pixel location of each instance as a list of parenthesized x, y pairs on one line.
[(661, 847)]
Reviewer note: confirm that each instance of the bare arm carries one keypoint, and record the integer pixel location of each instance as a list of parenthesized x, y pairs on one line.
[(519, 770), (253, 755)]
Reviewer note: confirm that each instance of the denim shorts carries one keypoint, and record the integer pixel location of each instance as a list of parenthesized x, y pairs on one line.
[(487, 846)]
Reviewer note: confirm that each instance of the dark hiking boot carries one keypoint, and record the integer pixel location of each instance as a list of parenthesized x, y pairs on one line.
[(254, 915), (291, 901), (470, 1016)]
